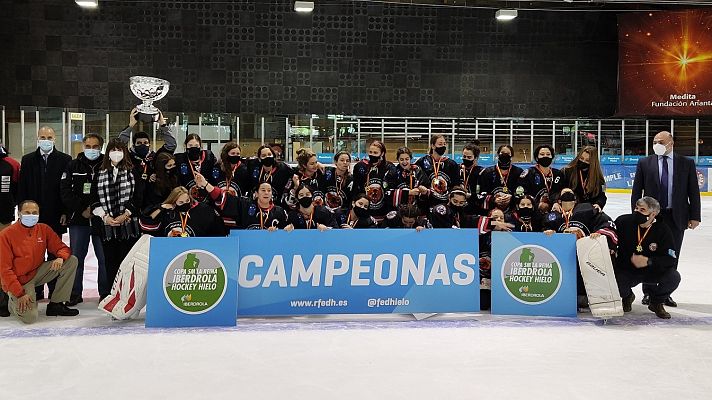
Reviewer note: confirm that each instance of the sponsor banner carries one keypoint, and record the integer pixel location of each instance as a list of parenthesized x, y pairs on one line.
[(664, 63), (358, 272), (534, 274), (192, 282)]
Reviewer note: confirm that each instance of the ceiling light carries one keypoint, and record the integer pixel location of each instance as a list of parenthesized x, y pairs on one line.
[(87, 3), (505, 14), (304, 6)]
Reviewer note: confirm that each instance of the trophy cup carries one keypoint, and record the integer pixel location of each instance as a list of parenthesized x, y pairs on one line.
[(148, 90)]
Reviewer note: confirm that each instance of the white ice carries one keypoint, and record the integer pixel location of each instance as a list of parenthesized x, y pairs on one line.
[(448, 357)]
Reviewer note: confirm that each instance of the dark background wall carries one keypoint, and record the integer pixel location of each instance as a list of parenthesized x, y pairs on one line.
[(345, 58)]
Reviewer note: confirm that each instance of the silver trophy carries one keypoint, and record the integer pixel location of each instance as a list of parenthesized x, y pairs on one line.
[(148, 89)]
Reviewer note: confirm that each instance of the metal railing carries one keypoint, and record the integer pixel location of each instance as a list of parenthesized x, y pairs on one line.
[(623, 138)]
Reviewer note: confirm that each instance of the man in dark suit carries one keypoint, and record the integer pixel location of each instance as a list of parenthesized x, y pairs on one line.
[(671, 179), (40, 174)]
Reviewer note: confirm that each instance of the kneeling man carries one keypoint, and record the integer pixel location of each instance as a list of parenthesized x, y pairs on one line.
[(22, 265), (646, 254)]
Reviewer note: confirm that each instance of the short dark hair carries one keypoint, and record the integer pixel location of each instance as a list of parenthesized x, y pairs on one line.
[(543, 146), (474, 148), (140, 135), (511, 149), (94, 136), (23, 202)]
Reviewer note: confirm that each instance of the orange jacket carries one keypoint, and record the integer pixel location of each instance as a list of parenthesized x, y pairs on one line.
[(22, 250)]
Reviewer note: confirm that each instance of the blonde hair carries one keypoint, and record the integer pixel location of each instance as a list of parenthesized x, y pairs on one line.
[(176, 193)]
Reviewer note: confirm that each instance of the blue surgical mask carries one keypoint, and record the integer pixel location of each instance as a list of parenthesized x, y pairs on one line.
[(29, 220), (92, 154), (45, 145)]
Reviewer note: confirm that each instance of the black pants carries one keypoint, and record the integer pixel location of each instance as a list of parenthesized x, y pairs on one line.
[(114, 253), (677, 236), (659, 287)]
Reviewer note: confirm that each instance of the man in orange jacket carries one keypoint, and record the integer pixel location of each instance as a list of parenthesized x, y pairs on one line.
[(22, 266)]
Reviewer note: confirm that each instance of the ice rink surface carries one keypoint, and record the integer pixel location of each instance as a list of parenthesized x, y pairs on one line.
[(468, 356)]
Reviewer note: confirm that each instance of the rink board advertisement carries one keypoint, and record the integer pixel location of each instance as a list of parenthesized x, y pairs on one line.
[(192, 282), (534, 274), (358, 272)]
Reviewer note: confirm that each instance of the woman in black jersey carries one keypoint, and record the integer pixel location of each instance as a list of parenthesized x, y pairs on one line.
[(524, 217), (181, 216), (359, 216), (441, 173), (308, 173), (158, 188), (541, 181), (309, 215), (405, 186), (233, 175), (584, 175), (499, 182), (470, 176), (339, 183), (369, 178), (265, 169), (259, 212), (193, 161)]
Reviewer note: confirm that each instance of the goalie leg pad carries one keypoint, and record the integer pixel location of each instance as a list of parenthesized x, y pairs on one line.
[(128, 293)]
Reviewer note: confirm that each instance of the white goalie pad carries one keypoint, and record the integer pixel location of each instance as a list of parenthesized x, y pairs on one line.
[(128, 293), (597, 271)]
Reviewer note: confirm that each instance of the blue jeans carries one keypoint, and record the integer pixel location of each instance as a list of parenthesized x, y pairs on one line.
[(79, 243)]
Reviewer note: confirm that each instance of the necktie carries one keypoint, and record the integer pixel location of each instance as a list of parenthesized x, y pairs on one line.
[(44, 158), (664, 190)]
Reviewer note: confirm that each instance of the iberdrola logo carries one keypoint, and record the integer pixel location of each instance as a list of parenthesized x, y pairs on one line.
[(531, 274), (195, 282)]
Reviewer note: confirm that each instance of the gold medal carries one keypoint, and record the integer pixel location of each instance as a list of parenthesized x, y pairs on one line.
[(144, 177), (639, 249), (183, 234), (505, 190)]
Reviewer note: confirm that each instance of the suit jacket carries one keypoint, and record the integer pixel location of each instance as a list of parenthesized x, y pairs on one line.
[(43, 186), (685, 191)]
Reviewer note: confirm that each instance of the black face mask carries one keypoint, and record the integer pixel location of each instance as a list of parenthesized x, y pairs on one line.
[(170, 171), (582, 165), (361, 213), (267, 161), (194, 153), (544, 161), (457, 209), (441, 150), (141, 150), (526, 212), (183, 207), (504, 159), (568, 196), (639, 218), (306, 201), (467, 163), (374, 159), (234, 159)]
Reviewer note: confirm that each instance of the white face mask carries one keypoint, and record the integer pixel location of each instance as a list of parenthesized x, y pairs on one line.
[(45, 145), (659, 149), (116, 156)]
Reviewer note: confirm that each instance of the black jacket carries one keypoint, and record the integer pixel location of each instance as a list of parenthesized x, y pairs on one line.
[(9, 177), (685, 191), (78, 187), (658, 245), (42, 185)]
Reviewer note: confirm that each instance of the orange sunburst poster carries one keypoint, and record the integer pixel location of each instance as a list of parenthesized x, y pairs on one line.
[(665, 63)]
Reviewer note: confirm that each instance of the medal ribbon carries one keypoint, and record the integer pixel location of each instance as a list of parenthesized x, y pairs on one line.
[(502, 179), (639, 248), (184, 223)]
